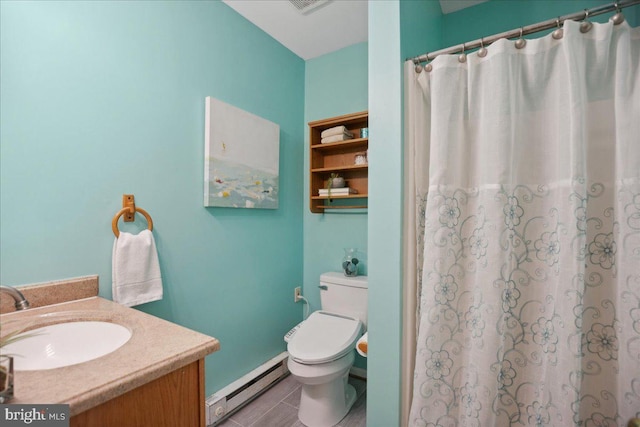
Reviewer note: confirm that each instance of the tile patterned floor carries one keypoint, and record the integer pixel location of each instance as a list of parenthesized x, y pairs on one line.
[(278, 407)]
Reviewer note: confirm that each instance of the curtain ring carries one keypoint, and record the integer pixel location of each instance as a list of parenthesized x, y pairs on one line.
[(618, 18), (428, 67), (416, 66), (585, 25), (462, 58), (521, 42), (559, 32), (482, 52)]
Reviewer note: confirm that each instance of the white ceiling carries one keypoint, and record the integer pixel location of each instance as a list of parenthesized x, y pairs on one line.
[(449, 6), (330, 27)]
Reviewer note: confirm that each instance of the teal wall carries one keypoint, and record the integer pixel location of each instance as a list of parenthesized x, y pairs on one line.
[(105, 98), (496, 16), (335, 84), (385, 214), (421, 29)]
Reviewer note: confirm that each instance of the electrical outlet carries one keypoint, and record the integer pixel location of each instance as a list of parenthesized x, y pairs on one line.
[(297, 294)]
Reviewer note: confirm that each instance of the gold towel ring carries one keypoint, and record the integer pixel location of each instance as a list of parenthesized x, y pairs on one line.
[(114, 222)]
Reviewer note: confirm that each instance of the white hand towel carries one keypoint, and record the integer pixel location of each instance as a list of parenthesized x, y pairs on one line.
[(338, 130), (335, 138), (136, 270), (362, 344)]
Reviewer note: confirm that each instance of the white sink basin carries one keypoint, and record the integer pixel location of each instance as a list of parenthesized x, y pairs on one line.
[(65, 344)]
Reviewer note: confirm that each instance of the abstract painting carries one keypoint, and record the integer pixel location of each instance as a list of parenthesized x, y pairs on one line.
[(241, 158)]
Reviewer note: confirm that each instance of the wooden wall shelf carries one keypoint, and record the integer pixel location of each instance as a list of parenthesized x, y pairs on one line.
[(362, 143), (340, 168), (350, 196), (344, 207), (338, 157)]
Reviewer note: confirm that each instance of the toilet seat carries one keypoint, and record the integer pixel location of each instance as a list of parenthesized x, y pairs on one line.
[(324, 337)]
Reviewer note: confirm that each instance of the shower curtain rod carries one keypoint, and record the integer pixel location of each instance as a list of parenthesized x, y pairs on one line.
[(529, 29)]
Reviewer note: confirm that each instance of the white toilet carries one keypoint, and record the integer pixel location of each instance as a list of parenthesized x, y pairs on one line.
[(321, 351)]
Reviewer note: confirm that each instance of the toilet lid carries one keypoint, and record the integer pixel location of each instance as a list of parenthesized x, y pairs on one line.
[(324, 337)]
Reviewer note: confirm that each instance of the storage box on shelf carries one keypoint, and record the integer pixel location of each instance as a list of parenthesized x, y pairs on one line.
[(344, 158)]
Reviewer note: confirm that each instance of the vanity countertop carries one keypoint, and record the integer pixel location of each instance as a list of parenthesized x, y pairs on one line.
[(156, 347)]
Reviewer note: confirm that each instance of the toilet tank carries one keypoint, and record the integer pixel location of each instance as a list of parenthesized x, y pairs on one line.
[(344, 295)]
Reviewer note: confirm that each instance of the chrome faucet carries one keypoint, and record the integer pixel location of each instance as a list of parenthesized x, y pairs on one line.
[(21, 301)]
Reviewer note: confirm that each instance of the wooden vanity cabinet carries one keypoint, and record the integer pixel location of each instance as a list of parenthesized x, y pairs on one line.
[(175, 399)]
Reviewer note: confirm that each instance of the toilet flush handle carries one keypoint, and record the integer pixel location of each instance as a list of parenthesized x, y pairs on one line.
[(323, 287)]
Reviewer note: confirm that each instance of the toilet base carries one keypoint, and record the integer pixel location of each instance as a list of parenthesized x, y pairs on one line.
[(324, 405), (326, 395)]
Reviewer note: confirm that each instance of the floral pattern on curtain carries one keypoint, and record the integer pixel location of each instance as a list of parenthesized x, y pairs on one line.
[(529, 309)]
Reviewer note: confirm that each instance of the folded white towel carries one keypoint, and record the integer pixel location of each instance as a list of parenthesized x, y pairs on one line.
[(335, 138), (135, 269), (362, 344), (335, 131)]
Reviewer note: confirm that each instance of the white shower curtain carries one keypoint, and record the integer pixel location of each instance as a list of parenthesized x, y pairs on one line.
[(525, 173)]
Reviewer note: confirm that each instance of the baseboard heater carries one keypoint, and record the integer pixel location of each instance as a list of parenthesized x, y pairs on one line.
[(225, 401)]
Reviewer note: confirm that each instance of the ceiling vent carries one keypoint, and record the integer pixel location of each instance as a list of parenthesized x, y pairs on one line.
[(307, 6)]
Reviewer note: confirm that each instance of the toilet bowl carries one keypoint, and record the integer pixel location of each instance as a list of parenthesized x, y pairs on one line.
[(321, 354), (321, 349), (326, 395)]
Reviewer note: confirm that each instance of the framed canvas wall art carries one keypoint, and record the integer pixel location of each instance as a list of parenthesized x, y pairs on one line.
[(242, 153)]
